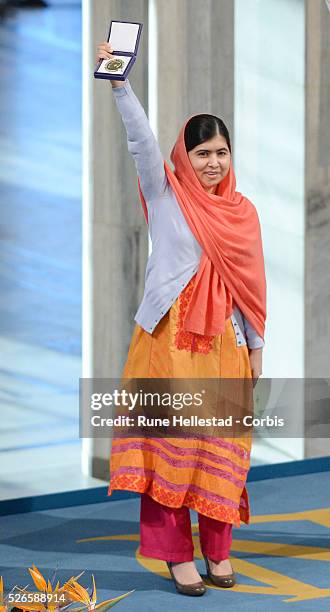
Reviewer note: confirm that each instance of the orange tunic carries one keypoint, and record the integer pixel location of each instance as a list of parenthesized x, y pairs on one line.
[(207, 474)]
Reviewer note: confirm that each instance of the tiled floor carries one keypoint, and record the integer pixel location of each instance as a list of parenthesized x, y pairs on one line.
[(281, 559), (40, 446)]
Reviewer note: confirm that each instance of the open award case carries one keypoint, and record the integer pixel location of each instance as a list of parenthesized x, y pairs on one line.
[(124, 38)]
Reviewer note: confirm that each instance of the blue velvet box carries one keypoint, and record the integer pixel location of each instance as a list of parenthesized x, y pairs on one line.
[(124, 38)]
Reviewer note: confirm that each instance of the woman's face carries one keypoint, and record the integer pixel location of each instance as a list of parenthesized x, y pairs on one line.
[(211, 162)]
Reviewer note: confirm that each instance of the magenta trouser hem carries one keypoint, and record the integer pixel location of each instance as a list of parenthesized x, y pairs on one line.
[(219, 555), (163, 556), (166, 533)]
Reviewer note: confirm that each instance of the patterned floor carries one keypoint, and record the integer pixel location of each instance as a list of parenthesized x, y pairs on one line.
[(282, 559)]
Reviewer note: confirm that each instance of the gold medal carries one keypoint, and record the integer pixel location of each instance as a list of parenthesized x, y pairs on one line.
[(114, 65)]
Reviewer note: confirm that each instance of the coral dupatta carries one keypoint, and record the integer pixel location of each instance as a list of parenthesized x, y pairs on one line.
[(226, 225)]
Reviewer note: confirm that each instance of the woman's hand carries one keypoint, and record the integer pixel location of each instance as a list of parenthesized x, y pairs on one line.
[(104, 51), (255, 356)]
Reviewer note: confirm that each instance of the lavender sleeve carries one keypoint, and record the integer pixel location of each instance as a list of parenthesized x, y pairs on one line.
[(254, 341), (142, 143)]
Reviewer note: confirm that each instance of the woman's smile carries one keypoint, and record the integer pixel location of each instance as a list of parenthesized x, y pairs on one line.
[(212, 174)]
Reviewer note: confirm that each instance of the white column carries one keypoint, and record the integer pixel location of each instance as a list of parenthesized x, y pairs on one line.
[(115, 245), (270, 149), (317, 213), (195, 64), (282, 159)]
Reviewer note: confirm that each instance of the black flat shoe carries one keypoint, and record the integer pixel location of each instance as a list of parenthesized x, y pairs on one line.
[(226, 582), (196, 589)]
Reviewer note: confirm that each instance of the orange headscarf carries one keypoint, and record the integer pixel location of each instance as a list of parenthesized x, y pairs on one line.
[(226, 225)]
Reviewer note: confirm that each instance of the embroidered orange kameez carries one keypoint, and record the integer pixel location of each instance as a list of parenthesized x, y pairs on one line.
[(207, 474)]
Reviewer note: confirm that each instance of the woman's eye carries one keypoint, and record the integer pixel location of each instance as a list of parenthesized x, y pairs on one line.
[(204, 153)]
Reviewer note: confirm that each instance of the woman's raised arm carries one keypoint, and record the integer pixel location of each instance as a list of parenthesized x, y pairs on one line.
[(141, 141)]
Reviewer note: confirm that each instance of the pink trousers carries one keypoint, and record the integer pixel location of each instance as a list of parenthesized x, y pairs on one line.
[(165, 533)]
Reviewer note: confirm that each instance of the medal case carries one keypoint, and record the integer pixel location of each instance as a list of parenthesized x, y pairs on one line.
[(124, 38)]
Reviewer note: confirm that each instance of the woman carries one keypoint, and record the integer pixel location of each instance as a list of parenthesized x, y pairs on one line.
[(202, 316)]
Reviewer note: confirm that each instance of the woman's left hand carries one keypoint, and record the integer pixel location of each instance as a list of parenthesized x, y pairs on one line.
[(255, 356)]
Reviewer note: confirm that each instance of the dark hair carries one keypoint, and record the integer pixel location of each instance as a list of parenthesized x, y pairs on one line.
[(203, 127)]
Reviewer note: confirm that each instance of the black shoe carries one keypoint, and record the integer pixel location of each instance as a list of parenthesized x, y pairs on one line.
[(196, 589)]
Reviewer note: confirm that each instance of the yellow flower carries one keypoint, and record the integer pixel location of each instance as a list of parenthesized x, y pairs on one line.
[(3, 607), (78, 593), (55, 599), (59, 598)]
